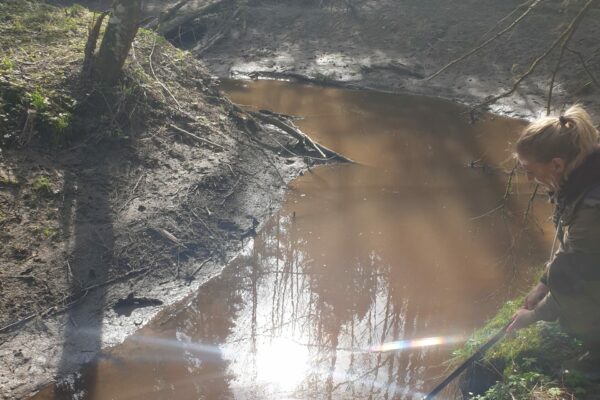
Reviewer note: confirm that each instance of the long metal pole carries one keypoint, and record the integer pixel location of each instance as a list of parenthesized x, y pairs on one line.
[(475, 357)]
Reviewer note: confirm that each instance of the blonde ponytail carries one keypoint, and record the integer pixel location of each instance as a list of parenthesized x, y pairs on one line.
[(571, 136)]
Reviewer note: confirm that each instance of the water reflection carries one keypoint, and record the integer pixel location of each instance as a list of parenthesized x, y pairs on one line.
[(363, 283)]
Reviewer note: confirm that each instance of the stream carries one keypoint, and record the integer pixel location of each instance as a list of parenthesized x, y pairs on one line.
[(367, 278)]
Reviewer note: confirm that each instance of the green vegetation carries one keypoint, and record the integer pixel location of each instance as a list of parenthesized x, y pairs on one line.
[(49, 232), (38, 100), (40, 44), (530, 360), (6, 65), (42, 184), (42, 51)]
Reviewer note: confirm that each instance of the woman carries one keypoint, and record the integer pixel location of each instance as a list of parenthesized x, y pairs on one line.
[(562, 154)]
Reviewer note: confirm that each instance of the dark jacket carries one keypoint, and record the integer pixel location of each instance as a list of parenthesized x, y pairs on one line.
[(573, 276)]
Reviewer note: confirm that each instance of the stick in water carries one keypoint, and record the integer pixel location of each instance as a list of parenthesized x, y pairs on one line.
[(478, 355)]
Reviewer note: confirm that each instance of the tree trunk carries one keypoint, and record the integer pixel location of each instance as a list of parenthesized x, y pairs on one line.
[(116, 43)]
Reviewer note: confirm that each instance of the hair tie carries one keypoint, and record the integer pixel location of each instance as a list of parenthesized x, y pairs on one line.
[(562, 120)]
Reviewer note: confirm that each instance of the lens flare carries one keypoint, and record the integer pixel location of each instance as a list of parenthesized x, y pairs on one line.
[(417, 343)]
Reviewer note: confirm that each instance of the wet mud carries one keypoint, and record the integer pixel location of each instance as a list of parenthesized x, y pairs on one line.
[(365, 280)]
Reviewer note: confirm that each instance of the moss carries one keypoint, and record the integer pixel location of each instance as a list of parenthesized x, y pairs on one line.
[(42, 184)]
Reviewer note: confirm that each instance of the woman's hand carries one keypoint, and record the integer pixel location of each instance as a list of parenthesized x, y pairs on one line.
[(521, 319), (535, 295)]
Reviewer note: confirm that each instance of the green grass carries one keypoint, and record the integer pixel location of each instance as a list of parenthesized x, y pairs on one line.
[(49, 232), (6, 64), (38, 100), (42, 184), (530, 360)]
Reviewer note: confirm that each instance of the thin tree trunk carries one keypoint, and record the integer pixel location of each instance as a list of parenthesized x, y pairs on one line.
[(116, 43)]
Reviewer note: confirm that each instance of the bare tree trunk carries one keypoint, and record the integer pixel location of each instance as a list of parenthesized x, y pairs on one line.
[(116, 43)]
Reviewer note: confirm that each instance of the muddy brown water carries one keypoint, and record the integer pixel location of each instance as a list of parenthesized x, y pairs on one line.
[(366, 280)]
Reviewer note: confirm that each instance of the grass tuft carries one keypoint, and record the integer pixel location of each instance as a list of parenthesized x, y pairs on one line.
[(529, 360), (42, 184)]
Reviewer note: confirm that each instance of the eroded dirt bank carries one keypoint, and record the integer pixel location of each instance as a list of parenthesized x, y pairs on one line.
[(392, 45)]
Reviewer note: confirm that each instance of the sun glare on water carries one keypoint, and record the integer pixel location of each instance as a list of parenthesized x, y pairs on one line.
[(282, 363)]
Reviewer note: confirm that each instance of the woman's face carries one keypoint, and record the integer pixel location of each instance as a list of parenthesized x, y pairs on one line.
[(548, 174)]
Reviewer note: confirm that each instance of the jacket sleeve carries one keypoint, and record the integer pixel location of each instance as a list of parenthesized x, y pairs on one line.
[(547, 309), (583, 233)]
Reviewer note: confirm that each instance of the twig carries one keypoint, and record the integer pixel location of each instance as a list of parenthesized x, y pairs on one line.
[(131, 196), (301, 136), (530, 202), (585, 67), (231, 191), (157, 80), (513, 172), (196, 137), (222, 31), (212, 234), (566, 41), (505, 197), (493, 210), (481, 46), (528, 2), (169, 236), (165, 15), (537, 60), (287, 128), (193, 274), (70, 300)]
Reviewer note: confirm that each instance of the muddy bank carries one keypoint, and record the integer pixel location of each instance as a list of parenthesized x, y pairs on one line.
[(119, 203), (392, 46)]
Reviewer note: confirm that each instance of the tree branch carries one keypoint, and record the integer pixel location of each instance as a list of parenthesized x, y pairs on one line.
[(481, 46), (585, 67), (535, 63), (566, 41)]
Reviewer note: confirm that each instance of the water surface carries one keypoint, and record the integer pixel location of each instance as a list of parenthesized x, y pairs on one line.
[(369, 276)]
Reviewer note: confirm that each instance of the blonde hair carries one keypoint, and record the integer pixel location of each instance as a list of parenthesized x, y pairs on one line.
[(571, 136)]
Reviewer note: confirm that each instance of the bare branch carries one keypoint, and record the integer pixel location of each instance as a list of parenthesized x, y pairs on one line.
[(533, 66), (562, 52), (585, 67), (481, 46)]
